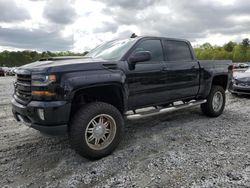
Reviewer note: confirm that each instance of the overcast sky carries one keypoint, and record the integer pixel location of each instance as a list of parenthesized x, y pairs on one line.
[(79, 25)]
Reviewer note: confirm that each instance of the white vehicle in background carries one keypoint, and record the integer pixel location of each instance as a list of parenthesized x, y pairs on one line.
[(10, 71), (240, 84)]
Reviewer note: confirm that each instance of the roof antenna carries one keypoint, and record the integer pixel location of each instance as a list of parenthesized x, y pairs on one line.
[(133, 35)]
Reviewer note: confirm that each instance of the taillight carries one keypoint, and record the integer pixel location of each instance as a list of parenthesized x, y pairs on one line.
[(232, 69)]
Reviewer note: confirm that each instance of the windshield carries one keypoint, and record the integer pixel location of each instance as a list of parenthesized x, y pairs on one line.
[(112, 50)]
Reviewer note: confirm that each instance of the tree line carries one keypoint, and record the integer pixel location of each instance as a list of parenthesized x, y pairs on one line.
[(19, 58), (237, 52)]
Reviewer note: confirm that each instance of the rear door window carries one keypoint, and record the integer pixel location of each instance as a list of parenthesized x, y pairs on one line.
[(178, 51)]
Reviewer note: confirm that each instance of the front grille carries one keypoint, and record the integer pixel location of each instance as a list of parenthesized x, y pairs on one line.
[(23, 88), (243, 84)]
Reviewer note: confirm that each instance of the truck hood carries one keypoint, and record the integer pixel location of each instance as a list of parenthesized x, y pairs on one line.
[(243, 77), (65, 64)]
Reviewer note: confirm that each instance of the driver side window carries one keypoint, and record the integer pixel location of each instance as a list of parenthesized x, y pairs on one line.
[(154, 47)]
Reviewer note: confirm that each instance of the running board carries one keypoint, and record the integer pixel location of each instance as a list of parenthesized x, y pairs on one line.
[(164, 110)]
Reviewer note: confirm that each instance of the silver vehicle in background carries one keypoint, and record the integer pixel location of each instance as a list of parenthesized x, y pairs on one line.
[(241, 82)]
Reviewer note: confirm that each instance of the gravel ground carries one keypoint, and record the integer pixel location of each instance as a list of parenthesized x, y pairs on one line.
[(179, 149)]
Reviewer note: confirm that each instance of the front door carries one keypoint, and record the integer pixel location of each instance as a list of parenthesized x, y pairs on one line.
[(146, 80)]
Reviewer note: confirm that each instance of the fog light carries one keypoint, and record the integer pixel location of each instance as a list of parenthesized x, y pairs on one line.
[(41, 114)]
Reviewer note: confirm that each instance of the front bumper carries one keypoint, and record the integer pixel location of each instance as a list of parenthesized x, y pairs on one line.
[(239, 89), (56, 115)]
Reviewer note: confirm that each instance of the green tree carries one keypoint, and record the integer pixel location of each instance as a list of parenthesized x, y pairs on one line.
[(206, 46), (248, 55), (239, 53), (229, 46), (231, 50), (245, 42)]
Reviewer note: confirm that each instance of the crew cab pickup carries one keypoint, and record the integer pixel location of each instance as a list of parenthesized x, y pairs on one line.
[(89, 96)]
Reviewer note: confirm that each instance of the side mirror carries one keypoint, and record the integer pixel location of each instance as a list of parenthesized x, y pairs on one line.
[(85, 53), (140, 57)]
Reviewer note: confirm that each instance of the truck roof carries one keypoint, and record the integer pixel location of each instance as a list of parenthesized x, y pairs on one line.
[(167, 38)]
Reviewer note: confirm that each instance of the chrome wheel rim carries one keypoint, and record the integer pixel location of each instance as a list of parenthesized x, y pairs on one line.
[(100, 132), (217, 101)]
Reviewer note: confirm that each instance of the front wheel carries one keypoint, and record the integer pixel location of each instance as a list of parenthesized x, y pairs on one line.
[(96, 130), (215, 102)]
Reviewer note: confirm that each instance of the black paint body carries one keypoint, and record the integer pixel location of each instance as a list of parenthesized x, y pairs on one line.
[(142, 84)]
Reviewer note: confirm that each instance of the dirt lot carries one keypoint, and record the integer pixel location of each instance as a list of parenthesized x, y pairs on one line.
[(183, 148)]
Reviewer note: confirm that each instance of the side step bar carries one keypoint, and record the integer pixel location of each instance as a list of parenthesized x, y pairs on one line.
[(164, 110)]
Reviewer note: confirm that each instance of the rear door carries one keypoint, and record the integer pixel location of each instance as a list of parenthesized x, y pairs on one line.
[(181, 70)]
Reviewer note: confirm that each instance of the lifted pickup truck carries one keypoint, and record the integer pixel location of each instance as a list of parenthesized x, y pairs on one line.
[(87, 97)]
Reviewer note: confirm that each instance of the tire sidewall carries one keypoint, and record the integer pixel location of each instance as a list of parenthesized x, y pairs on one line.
[(79, 126), (214, 90)]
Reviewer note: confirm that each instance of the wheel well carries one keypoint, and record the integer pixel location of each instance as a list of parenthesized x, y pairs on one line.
[(221, 81), (111, 94)]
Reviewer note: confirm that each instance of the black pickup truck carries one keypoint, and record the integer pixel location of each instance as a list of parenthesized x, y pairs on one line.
[(88, 97)]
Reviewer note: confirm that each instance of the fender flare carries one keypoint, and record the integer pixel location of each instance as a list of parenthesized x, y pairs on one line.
[(122, 87)]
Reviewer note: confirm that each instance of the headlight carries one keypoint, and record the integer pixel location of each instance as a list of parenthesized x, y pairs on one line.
[(42, 80)]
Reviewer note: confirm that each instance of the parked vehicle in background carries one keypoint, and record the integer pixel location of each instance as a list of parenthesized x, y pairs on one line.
[(87, 97), (241, 65), (235, 66), (11, 72), (2, 73), (240, 82)]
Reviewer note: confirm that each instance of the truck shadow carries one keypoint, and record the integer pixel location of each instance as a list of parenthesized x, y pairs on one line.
[(239, 96), (181, 120)]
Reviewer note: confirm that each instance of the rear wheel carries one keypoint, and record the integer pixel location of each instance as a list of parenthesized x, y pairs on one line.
[(96, 130), (215, 102)]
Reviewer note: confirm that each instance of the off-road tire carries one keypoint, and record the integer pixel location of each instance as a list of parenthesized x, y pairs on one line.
[(79, 124), (207, 108)]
